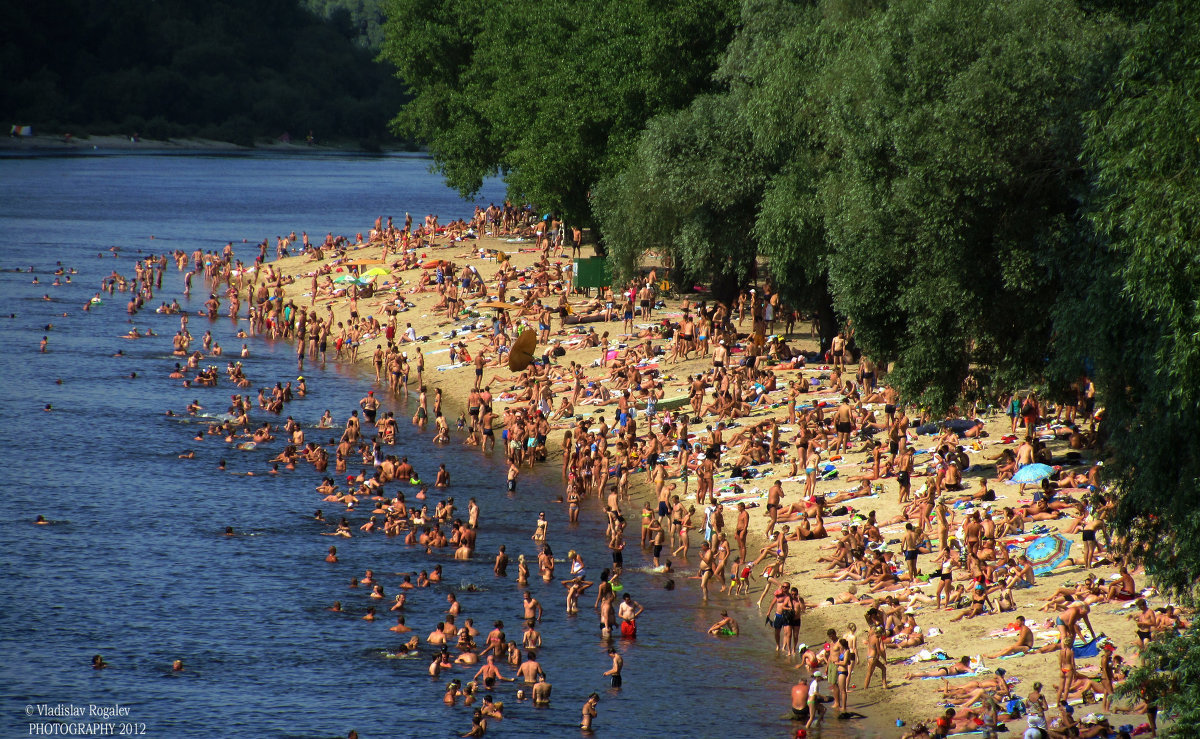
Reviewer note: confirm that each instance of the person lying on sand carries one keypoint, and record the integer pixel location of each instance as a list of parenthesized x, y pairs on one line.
[(961, 667)]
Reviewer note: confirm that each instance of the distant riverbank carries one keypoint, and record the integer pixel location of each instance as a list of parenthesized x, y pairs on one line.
[(61, 144)]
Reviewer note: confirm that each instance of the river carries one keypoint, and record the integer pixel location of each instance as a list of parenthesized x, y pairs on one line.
[(136, 566)]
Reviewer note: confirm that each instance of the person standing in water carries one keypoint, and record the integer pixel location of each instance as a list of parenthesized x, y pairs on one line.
[(589, 712), (614, 672)]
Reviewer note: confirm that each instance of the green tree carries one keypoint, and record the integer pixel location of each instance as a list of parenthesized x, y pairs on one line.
[(782, 58), (1168, 677), (189, 69), (957, 128), (550, 94), (690, 190), (698, 178), (1145, 303)]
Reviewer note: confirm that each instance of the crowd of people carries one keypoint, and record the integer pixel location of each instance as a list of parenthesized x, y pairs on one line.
[(750, 404)]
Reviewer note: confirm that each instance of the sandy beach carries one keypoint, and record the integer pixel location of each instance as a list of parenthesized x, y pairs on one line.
[(909, 700)]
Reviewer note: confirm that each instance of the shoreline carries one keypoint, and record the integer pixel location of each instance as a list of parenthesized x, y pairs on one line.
[(57, 145), (910, 701)]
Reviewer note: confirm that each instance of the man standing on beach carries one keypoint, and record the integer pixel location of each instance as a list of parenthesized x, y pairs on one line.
[(837, 348), (876, 656), (843, 424), (774, 496), (479, 364), (743, 525), (908, 545)]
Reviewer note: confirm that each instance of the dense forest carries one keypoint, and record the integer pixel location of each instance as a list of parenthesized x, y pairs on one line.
[(994, 195), (362, 19), (231, 70)]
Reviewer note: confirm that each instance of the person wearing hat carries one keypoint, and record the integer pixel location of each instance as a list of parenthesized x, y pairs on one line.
[(1036, 728), (1094, 725), (816, 707)]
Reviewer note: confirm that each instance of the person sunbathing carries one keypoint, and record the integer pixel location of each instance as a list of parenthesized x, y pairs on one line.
[(813, 507), (981, 494), (862, 491), (880, 575), (1014, 522), (840, 556), (1000, 694), (1039, 510), (910, 635), (963, 689), (1023, 643), (807, 532), (1123, 588), (961, 667), (856, 570)]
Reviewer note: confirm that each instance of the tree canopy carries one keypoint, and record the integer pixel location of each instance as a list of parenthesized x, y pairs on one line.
[(1144, 304), (551, 94), (232, 70), (918, 181)]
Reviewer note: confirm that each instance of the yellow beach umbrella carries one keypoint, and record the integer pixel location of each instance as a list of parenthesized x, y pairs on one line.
[(520, 355)]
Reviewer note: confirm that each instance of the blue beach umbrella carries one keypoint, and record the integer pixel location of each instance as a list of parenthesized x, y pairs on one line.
[(1032, 473), (1047, 552)]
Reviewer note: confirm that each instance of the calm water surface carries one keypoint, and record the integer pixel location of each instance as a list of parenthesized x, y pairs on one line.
[(136, 566)]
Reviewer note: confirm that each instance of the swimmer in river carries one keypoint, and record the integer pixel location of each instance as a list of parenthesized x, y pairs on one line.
[(400, 627), (98, 663), (177, 666), (336, 607), (332, 557), (229, 531), (41, 520), (541, 692)]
